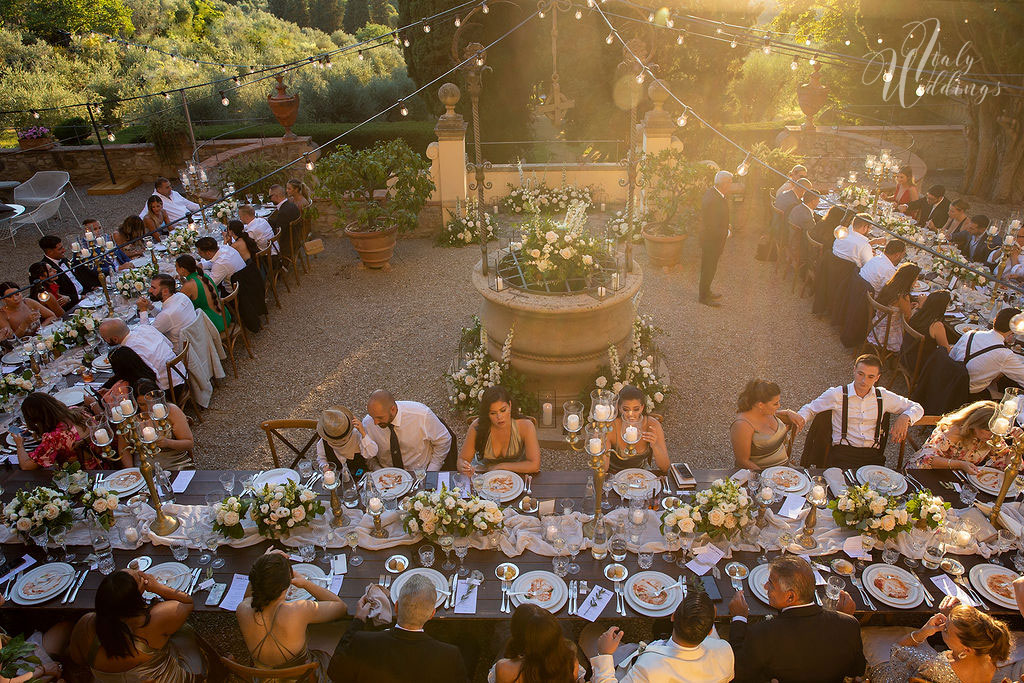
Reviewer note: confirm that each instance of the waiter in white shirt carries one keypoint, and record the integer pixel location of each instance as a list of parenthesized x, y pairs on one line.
[(855, 247), (175, 205), (987, 356), (220, 261), (858, 410), (176, 310), (258, 228), (881, 268), (403, 434), (151, 345)]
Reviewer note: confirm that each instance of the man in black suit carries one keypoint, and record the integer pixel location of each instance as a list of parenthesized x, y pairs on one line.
[(805, 643), (401, 653), (973, 243), (73, 281), (933, 208), (281, 219), (714, 231)]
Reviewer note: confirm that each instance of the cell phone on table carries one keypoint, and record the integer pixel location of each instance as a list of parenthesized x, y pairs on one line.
[(711, 588), (682, 475)]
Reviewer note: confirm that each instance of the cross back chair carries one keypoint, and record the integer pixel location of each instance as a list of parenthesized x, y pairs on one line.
[(303, 673), (273, 429), (178, 380), (890, 314), (235, 330)]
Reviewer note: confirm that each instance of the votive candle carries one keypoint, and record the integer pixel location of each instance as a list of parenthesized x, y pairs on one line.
[(572, 422), (159, 411), (148, 434), (102, 436), (595, 446), (637, 516), (126, 407), (375, 505)]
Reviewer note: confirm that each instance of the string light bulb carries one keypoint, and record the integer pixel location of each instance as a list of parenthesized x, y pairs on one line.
[(879, 40), (327, 62), (610, 38), (397, 41), (767, 49), (405, 42), (361, 56), (110, 134), (403, 110), (718, 29), (579, 14), (479, 59), (236, 80), (920, 90), (681, 121), (590, 3), (812, 61), (640, 78), (426, 28), (679, 39), (807, 42), (35, 114), (309, 162), (650, 17), (540, 14), (846, 42), (166, 95), (887, 76), (458, 22), (744, 166), (732, 43), (224, 99), (671, 23), (484, 8)]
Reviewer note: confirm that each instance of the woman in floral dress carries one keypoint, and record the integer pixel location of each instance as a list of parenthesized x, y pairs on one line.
[(63, 433), (961, 442)]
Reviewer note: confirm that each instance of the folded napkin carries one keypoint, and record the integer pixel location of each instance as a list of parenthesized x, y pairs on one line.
[(983, 531), (191, 516), (741, 477), (1011, 516), (526, 532), (381, 611), (836, 481), (390, 519)]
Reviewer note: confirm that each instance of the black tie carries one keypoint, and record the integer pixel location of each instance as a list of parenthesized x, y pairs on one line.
[(396, 450)]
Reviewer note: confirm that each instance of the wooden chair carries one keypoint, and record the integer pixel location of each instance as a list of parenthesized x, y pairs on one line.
[(879, 313), (229, 337), (266, 260), (925, 421), (300, 234), (303, 673), (273, 428), (295, 248), (282, 260), (814, 249), (179, 388), (794, 253), (910, 373)]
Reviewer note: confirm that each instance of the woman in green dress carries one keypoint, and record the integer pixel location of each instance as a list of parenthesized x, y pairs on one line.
[(198, 287)]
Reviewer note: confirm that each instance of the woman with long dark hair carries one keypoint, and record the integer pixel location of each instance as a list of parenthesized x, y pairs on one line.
[(275, 629), (631, 406), (760, 428), (63, 434), (927, 320), (905, 190), (43, 278), (128, 238), (127, 641), (537, 651), (197, 286), (497, 439), (252, 300), (895, 294)]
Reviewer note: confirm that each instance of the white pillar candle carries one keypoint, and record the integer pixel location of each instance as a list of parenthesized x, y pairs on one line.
[(148, 434), (547, 414), (767, 493), (594, 446), (615, 280), (329, 477), (572, 422), (495, 207), (1001, 425), (632, 434), (601, 412), (110, 245), (601, 291), (131, 534), (375, 505), (40, 347), (75, 248), (89, 236), (637, 516), (499, 284), (102, 436), (817, 494), (1009, 407), (603, 206), (159, 411), (126, 407)]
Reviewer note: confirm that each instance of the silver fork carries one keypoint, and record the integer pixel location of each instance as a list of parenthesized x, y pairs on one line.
[(380, 580), (928, 600), (387, 581), (860, 587), (504, 596), (572, 594), (529, 484)]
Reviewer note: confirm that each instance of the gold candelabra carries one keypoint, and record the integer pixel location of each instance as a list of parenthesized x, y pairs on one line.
[(599, 423), (1002, 422), (378, 530)]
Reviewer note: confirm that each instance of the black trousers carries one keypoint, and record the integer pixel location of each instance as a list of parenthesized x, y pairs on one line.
[(845, 457), (711, 252)]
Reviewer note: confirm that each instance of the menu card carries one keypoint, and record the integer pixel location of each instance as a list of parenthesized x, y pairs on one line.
[(465, 596), (591, 606), (949, 587), (236, 592), (26, 562), (181, 481), (336, 581), (705, 560), (792, 506)]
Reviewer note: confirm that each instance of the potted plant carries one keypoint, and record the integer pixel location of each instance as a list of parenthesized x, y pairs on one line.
[(36, 137), (672, 188), (378, 191)]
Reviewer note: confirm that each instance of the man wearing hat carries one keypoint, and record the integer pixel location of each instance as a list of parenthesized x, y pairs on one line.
[(341, 438)]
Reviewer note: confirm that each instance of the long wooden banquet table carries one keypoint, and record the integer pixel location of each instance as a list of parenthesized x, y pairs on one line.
[(546, 485)]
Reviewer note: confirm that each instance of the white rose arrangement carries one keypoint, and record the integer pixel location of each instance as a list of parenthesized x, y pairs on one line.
[(437, 513), (866, 511), (228, 516), (101, 503), (182, 239), (16, 383), (625, 229), (462, 228), (33, 509), (477, 370), (278, 509), (927, 509), (225, 210), (562, 253), (133, 282), (640, 368), (720, 510)]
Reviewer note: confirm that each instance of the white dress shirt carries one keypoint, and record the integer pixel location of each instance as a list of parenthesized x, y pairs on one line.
[(877, 271), (261, 231), (990, 366), (423, 438), (666, 660), (154, 349), (175, 313), (854, 247), (862, 413), (61, 268), (176, 206), (225, 263)]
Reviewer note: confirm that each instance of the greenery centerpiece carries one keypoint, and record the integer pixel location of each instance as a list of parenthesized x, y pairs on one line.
[(229, 514), (279, 508), (17, 658), (866, 511), (559, 254), (101, 502), (182, 239), (718, 511), (927, 510), (133, 282), (445, 512), (38, 508)]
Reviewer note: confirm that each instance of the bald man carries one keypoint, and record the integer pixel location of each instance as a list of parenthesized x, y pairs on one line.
[(147, 341), (403, 434)]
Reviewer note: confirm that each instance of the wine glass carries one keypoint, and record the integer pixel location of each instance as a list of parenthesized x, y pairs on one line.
[(323, 539), (606, 487), (195, 536), (213, 542), (461, 546), (59, 535), (40, 536), (566, 505), (671, 538), (353, 542), (446, 542), (227, 480)]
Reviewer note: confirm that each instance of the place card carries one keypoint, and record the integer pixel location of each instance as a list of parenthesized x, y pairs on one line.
[(205, 584), (950, 587), (706, 558), (792, 506), (443, 479), (336, 583), (465, 596), (854, 547), (593, 605), (26, 562), (339, 564), (236, 592), (181, 481), (546, 507)]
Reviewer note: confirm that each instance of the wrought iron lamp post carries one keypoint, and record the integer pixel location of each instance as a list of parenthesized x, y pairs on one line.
[(474, 68)]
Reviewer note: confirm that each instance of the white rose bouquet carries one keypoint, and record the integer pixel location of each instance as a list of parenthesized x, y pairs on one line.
[(182, 239), (133, 282), (280, 508), (101, 502), (926, 509), (559, 252), (866, 511), (225, 210), (463, 228), (16, 384), (952, 265), (625, 229), (855, 195), (720, 510), (41, 507), (437, 513), (228, 516), (82, 322)]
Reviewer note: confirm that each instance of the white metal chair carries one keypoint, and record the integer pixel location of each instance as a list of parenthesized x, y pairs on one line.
[(45, 185), (41, 214)]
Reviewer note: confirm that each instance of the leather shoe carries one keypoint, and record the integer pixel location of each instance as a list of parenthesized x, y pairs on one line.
[(710, 302), (714, 297)]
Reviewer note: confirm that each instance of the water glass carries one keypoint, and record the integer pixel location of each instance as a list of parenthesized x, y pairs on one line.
[(179, 549), (227, 480), (968, 494), (426, 553), (560, 565), (40, 537), (644, 560), (305, 470), (934, 550), (566, 505), (307, 552), (249, 482), (617, 548), (671, 538), (461, 546), (1005, 540), (890, 554), (446, 541)]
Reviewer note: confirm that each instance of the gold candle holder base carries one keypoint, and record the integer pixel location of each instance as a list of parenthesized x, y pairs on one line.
[(806, 537), (574, 441), (337, 510), (378, 530), (163, 524)]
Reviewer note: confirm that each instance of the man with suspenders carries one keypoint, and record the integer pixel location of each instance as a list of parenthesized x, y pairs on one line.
[(858, 411), (987, 357)]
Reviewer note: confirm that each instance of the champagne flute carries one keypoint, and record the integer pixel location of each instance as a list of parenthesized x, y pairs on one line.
[(446, 542), (353, 541), (213, 542)]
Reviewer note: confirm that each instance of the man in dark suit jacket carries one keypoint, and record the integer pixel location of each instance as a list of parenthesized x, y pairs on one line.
[(805, 643), (401, 653), (933, 208), (714, 231), (73, 281), (281, 219), (973, 243)]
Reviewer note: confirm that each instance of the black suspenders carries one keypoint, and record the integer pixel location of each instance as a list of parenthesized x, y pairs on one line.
[(846, 411), (968, 356)]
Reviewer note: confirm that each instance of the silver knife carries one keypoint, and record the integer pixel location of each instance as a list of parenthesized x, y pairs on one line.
[(453, 585), (79, 586), (71, 586), (195, 579)]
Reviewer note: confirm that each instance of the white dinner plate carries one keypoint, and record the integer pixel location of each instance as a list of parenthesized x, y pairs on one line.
[(636, 483), (392, 482), (72, 396), (174, 575), (756, 580), (981, 575), (310, 571), (964, 328), (989, 479), (881, 580), (124, 482), (440, 582), (30, 440), (502, 485), (101, 363), (785, 479), (646, 583), (15, 357), (920, 286), (91, 301), (896, 481), (551, 601), (42, 583), (276, 476)]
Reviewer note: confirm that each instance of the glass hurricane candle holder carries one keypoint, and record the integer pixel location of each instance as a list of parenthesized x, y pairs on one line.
[(630, 436), (602, 408), (572, 422)]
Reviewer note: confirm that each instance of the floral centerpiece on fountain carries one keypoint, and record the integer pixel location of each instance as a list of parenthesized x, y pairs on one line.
[(182, 239), (228, 516), (640, 369), (462, 228), (866, 511), (478, 372), (445, 512), (926, 509), (134, 281), (38, 508), (559, 252), (101, 502), (533, 196), (717, 511), (280, 508)]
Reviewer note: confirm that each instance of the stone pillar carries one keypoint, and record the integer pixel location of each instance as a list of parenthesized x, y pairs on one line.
[(449, 166), (658, 126)]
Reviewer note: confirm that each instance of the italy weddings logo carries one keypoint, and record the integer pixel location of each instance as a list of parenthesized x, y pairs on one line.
[(920, 67)]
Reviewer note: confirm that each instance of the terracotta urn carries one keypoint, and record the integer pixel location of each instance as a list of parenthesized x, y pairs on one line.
[(811, 96), (284, 107)]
